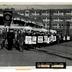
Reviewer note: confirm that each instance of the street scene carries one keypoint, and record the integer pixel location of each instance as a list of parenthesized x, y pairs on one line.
[(55, 53), (30, 34)]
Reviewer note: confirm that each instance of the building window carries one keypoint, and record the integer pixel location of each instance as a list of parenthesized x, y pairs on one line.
[(68, 12), (35, 14), (27, 13), (58, 13), (57, 20), (54, 24), (45, 13), (46, 20)]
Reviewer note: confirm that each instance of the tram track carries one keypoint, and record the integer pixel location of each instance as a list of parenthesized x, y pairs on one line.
[(47, 52), (55, 52), (65, 45)]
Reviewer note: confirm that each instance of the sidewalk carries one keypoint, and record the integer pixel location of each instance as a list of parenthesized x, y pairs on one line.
[(63, 50)]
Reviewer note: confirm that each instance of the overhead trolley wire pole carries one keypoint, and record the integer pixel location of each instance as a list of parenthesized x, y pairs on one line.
[(50, 17), (7, 18)]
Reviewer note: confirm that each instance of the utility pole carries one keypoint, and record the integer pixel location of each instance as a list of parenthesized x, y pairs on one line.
[(67, 28), (50, 17)]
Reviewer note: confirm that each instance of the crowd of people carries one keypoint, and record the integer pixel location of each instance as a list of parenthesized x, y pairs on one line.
[(27, 39), (11, 38)]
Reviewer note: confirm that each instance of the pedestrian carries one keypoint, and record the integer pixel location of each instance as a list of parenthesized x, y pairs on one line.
[(58, 38), (4, 39), (10, 37), (21, 41), (34, 38), (28, 40), (40, 40)]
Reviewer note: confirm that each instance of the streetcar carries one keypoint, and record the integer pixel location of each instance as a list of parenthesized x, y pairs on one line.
[(37, 37)]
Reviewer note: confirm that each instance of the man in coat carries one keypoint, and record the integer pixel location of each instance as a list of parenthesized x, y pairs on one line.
[(10, 37)]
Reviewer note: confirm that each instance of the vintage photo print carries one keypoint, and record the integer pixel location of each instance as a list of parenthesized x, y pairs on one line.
[(36, 35)]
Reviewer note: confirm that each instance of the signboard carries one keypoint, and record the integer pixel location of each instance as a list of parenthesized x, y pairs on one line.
[(33, 39), (45, 39), (48, 40), (54, 38), (64, 38), (68, 37), (7, 17), (28, 40), (40, 39)]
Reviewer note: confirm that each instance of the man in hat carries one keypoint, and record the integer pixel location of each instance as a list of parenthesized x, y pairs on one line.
[(10, 37), (28, 40), (4, 36)]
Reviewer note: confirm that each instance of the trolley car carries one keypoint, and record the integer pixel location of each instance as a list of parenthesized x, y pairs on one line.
[(37, 37)]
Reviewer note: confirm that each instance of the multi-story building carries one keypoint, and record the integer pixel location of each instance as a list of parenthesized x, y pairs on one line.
[(56, 17), (49, 18)]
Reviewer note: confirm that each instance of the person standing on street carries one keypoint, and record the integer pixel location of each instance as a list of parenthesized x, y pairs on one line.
[(10, 37)]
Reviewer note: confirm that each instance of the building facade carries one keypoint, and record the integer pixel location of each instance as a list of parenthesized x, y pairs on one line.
[(49, 18), (56, 18)]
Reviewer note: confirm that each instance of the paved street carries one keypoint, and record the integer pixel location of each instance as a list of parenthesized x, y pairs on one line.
[(55, 53)]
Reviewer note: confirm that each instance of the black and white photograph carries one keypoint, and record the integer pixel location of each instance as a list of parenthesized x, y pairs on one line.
[(35, 33)]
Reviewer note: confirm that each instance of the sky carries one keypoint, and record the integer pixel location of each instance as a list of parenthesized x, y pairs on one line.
[(44, 6)]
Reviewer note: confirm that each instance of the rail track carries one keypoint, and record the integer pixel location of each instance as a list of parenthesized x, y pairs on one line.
[(55, 52)]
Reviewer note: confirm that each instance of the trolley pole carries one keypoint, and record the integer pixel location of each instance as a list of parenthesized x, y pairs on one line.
[(50, 17), (67, 28)]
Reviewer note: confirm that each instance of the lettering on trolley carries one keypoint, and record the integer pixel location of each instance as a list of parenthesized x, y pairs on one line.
[(34, 39), (27, 39), (40, 39)]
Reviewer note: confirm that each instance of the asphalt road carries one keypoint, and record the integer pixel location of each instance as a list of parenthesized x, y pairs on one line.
[(54, 53)]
